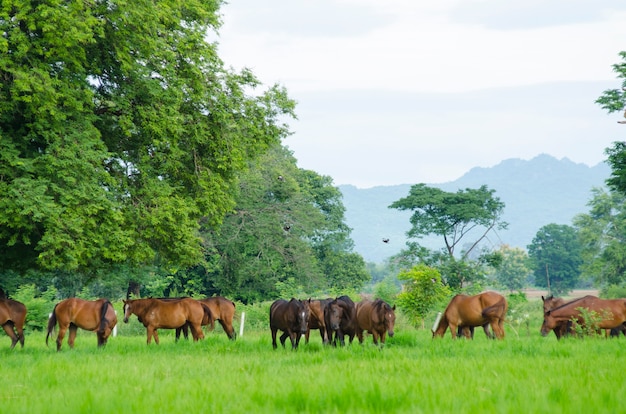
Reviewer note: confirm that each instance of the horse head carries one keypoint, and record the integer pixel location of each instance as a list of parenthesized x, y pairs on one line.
[(389, 317), (128, 309)]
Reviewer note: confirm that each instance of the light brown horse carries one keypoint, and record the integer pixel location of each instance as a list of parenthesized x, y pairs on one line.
[(222, 309), (612, 313), (12, 318), (478, 310), (376, 317), (90, 315), (316, 321), (168, 314)]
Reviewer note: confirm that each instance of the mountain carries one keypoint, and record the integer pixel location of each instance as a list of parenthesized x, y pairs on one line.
[(537, 192)]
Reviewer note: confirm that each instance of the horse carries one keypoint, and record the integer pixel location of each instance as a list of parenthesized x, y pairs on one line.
[(168, 314), (222, 309), (291, 317), (478, 310), (611, 311), (12, 318), (90, 315), (376, 317), (316, 321), (563, 328), (340, 320)]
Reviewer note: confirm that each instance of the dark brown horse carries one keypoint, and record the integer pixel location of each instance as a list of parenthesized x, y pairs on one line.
[(612, 313), (168, 314), (316, 321), (563, 328), (376, 317), (340, 320), (478, 310), (90, 315), (291, 317), (222, 309), (12, 318)]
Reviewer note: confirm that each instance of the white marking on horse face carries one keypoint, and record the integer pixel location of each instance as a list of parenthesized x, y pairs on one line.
[(303, 316)]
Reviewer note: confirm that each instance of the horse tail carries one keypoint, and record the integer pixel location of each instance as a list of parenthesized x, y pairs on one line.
[(209, 315), (52, 321), (497, 309), (103, 316)]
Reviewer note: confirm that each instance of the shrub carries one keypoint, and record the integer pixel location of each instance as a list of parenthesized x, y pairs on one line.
[(39, 305)]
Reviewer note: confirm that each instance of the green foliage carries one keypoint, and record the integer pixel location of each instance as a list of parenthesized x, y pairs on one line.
[(121, 130), (602, 237), (591, 322), (614, 100), (422, 291), (556, 250), (513, 271), (452, 215), (613, 292), (386, 290), (38, 304)]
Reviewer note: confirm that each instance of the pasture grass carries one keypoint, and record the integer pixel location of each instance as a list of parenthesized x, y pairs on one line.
[(412, 374)]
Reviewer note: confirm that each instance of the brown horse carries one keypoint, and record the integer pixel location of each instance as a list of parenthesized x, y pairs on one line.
[(478, 310), (222, 309), (291, 317), (376, 317), (168, 314), (340, 320), (316, 321), (12, 318), (90, 315), (563, 328), (611, 311)]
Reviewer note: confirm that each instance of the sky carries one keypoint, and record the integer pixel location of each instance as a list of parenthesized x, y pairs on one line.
[(413, 91)]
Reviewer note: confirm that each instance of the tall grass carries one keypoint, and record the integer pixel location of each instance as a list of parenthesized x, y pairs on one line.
[(412, 374)]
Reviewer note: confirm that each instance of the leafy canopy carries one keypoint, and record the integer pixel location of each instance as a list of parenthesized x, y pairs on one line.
[(121, 130)]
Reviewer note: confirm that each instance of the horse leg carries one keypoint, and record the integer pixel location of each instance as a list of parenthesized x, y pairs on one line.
[(283, 338), (150, 333), (274, 345), (72, 338), (306, 336), (228, 328), (60, 336), (20, 334), (359, 334), (453, 329), (196, 332), (8, 328), (295, 339)]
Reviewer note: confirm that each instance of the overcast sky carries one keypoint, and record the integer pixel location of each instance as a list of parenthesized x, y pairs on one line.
[(410, 91)]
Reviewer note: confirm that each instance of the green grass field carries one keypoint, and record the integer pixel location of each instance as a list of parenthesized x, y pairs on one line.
[(412, 374)]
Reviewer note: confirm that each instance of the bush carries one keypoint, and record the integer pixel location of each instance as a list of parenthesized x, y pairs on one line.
[(38, 305), (613, 292)]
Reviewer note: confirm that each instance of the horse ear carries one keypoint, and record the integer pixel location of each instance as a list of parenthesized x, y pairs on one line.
[(542, 298), (394, 307)]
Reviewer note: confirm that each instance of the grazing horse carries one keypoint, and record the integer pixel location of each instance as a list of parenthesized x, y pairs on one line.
[(168, 314), (478, 310), (316, 321), (90, 315), (376, 317), (291, 317), (12, 318), (611, 311), (340, 320), (563, 328), (222, 309)]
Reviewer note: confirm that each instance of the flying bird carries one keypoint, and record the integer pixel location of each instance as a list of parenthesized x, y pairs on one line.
[(385, 240)]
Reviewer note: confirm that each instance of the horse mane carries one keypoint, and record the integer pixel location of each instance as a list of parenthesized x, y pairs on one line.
[(570, 302)]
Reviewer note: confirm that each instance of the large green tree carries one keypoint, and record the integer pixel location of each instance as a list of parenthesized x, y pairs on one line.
[(121, 130), (602, 233), (462, 219), (614, 100), (555, 257), (287, 227)]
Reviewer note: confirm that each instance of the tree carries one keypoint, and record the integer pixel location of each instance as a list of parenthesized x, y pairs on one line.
[(555, 254), (513, 271), (602, 234), (422, 290), (455, 217), (120, 131), (452, 215), (614, 100), (287, 227)]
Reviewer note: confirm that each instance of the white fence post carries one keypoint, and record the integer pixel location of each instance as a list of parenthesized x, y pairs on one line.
[(243, 318)]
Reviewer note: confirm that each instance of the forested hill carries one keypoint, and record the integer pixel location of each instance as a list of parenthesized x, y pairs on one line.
[(537, 192)]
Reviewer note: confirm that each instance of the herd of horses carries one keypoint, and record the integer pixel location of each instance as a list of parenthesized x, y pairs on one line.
[(335, 318)]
